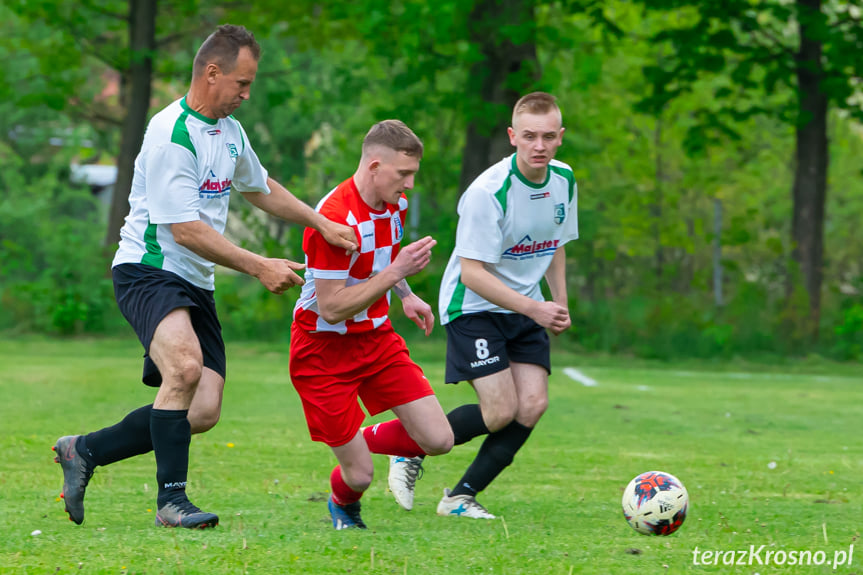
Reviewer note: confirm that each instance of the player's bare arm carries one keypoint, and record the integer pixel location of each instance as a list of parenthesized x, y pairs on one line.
[(338, 301), (285, 205), (417, 310), (555, 276), (277, 275), (548, 314)]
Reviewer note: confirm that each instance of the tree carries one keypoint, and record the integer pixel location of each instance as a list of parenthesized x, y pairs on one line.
[(815, 63), (504, 33), (471, 60), (142, 47), (82, 42)]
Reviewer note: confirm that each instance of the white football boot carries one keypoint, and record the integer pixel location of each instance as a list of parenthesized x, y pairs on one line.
[(403, 475), (462, 506)]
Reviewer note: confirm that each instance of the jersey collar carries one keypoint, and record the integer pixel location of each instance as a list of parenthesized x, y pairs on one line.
[(524, 180), (197, 115)]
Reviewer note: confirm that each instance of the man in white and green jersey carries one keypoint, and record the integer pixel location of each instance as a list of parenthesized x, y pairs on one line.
[(194, 155), (514, 220)]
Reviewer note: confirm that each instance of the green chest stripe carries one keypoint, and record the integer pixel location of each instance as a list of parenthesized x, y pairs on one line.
[(500, 195), (570, 178), (180, 135)]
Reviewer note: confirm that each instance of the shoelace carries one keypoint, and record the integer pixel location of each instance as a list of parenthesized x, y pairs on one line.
[(414, 469), (470, 501), (87, 471), (185, 507), (353, 512)]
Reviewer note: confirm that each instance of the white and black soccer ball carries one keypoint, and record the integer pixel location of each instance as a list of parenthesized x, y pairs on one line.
[(655, 503)]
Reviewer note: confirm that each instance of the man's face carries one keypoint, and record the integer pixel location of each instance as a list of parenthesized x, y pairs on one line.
[(394, 174), (230, 90), (536, 138)]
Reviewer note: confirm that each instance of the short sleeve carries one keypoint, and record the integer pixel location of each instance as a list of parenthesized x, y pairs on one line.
[(171, 184), (570, 231), (479, 235), (324, 261)]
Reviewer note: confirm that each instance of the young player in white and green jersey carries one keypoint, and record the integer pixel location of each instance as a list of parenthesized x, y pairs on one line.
[(514, 220), (515, 226)]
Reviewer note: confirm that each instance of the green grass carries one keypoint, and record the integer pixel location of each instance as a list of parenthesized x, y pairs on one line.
[(715, 426)]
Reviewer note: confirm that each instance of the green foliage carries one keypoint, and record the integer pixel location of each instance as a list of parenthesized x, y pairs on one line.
[(247, 311), (654, 154), (849, 333), (52, 270)]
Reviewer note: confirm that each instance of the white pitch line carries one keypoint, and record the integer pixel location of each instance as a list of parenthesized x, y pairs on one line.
[(573, 373)]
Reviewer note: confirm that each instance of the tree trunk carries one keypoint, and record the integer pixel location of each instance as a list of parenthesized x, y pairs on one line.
[(810, 177), (496, 82), (142, 47)]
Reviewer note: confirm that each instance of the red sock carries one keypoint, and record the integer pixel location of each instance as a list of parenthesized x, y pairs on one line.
[(342, 493), (391, 438)]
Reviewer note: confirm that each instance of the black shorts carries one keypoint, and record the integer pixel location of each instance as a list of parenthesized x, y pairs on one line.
[(146, 295), (480, 344)]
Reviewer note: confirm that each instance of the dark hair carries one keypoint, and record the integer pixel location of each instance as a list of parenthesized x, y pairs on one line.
[(395, 135), (535, 103), (222, 48)]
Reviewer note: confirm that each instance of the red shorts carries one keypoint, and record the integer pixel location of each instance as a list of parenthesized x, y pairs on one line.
[(330, 370)]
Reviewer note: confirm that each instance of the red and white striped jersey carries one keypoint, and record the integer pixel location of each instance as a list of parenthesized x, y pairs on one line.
[(378, 236)]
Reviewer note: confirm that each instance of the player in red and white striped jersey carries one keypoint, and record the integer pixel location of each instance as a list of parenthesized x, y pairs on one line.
[(343, 346)]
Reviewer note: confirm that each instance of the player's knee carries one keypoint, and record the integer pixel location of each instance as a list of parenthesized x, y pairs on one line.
[(358, 479), (531, 410), (498, 418), (440, 444), (184, 374), (203, 420), (190, 371)]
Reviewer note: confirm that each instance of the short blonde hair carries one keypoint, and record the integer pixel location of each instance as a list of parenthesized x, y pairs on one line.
[(394, 135), (535, 103)]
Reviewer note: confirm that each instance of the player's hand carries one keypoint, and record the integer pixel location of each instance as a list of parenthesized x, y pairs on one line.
[(414, 257), (418, 312), (339, 235), (277, 275), (560, 327), (551, 316)]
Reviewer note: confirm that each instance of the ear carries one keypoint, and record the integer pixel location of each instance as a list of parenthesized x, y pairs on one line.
[(511, 133), (212, 72), (374, 165)]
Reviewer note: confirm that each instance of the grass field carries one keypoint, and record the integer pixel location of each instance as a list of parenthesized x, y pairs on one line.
[(771, 455)]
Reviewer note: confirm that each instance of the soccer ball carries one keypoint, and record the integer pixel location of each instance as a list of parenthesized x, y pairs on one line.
[(655, 503)]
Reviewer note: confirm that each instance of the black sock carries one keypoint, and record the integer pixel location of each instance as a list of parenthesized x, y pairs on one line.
[(466, 422), (126, 439), (171, 435), (495, 454)]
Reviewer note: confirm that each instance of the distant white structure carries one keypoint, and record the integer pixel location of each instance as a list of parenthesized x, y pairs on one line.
[(100, 178)]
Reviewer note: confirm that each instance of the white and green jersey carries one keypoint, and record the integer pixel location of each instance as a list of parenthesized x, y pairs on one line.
[(186, 170), (514, 225)]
